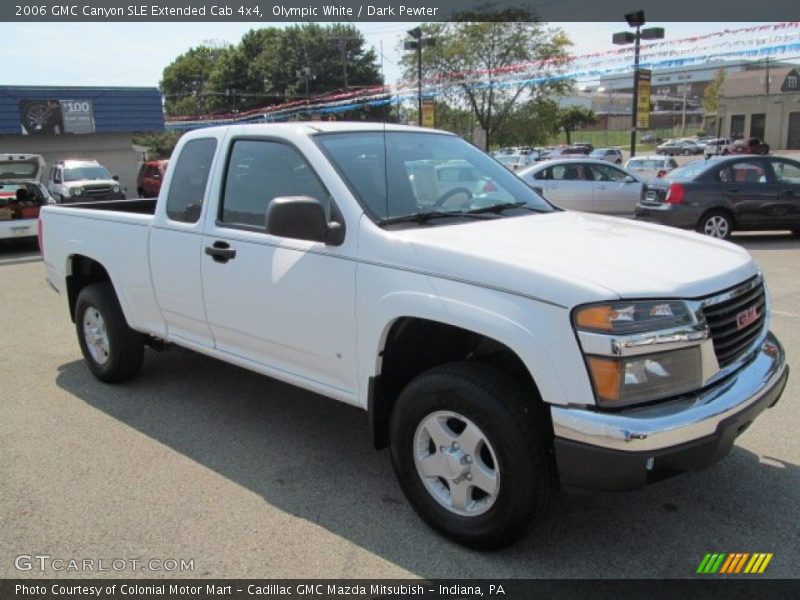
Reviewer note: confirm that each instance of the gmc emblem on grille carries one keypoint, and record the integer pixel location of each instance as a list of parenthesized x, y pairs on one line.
[(744, 318)]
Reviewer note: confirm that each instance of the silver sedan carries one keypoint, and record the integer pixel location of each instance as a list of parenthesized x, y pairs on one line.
[(587, 185)]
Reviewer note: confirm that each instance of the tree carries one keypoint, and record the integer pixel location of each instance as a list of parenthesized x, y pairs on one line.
[(185, 81), (530, 123), (476, 62), (270, 66), (711, 95), (575, 117)]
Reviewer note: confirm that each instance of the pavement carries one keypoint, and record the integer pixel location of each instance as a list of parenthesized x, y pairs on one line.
[(249, 477)]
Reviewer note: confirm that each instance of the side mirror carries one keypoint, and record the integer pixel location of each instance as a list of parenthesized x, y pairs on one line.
[(115, 178), (302, 218), (629, 179)]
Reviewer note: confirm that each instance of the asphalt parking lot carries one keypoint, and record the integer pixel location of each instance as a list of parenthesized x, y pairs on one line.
[(249, 477)]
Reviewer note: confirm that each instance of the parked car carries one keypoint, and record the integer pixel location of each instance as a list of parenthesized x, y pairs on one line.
[(612, 155), (82, 181), (722, 195), (151, 174), (749, 146), (515, 162), (575, 150), (717, 147), (589, 147), (651, 166), (498, 349), (651, 138), (585, 184), (21, 195), (684, 147)]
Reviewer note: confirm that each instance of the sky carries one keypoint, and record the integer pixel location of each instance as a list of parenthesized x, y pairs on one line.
[(123, 54)]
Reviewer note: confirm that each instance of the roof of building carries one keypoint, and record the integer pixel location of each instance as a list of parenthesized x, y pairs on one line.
[(114, 109), (753, 83)]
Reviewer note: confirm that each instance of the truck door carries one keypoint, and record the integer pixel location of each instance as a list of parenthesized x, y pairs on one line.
[(287, 304), (176, 245)]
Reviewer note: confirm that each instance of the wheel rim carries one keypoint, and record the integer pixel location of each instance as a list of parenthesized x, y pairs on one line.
[(456, 463), (717, 226), (95, 335)]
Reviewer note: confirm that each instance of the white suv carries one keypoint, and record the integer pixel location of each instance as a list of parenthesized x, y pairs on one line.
[(717, 147), (82, 181)]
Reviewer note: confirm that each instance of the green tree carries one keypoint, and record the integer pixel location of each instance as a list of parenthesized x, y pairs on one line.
[(160, 143), (711, 95), (185, 81), (575, 117), (530, 123), (270, 66), (473, 59)]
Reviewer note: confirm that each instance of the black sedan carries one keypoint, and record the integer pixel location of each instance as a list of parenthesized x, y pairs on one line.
[(720, 195)]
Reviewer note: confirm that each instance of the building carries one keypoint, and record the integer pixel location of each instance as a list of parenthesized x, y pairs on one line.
[(754, 104), (80, 122)]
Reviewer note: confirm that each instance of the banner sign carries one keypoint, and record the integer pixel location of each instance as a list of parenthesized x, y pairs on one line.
[(643, 105), (55, 117), (428, 113)]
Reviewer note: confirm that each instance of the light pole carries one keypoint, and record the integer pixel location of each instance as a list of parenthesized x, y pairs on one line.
[(636, 19), (417, 44)]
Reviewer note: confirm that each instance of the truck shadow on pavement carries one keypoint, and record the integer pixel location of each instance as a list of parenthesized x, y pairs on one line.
[(313, 458)]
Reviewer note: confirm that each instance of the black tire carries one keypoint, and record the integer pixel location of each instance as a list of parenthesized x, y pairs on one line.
[(686, 152), (521, 442), (707, 221), (125, 351), (618, 161)]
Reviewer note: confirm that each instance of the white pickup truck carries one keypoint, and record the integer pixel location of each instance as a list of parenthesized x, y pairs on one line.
[(500, 346)]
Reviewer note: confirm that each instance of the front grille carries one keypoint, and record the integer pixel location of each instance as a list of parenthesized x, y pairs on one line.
[(731, 338), (96, 192)]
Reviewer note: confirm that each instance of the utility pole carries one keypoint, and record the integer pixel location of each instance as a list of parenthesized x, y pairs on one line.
[(416, 44), (636, 19), (766, 80)]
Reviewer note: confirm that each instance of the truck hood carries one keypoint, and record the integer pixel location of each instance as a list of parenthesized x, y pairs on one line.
[(569, 258)]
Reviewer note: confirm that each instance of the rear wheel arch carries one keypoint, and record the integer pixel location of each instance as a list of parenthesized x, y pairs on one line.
[(81, 272)]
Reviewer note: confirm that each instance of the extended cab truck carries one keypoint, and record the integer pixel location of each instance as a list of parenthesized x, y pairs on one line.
[(499, 345)]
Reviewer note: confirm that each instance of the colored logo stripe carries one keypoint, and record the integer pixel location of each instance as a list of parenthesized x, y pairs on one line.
[(723, 563)]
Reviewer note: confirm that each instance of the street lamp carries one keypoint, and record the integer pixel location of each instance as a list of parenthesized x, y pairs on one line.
[(636, 19), (417, 44)]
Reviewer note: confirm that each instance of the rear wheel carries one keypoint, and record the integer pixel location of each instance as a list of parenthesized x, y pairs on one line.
[(113, 351), (717, 224), (470, 458)]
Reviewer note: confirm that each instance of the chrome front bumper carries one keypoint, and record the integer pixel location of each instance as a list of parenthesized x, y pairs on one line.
[(689, 432)]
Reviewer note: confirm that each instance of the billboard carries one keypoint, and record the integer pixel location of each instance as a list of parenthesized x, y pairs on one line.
[(428, 112), (55, 117)]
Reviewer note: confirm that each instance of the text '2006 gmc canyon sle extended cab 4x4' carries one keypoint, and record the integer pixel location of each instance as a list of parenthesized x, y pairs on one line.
[(501, 346)]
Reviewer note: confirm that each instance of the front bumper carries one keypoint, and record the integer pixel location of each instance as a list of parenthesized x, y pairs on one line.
[(634, 447)]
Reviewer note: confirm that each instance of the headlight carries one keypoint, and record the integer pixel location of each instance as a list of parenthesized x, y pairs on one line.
[(620, 381), (115, 189), (640, 351), (633, 317), (76, 191)]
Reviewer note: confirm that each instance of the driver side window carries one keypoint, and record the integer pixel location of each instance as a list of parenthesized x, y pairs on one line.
[(259, 171)]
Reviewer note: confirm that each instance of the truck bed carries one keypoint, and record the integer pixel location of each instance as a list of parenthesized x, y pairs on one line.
[(142, 206)]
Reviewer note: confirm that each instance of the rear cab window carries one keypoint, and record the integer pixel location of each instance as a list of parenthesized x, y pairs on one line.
[(188, 187)]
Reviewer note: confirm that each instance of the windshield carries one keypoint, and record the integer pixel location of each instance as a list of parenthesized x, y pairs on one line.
[(689, 170), (20, 169), (87, 172), (394, 174), (509, 160)]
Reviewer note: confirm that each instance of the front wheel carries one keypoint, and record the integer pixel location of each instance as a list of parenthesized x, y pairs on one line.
[(717, 224), (471, 458), (112, 350)]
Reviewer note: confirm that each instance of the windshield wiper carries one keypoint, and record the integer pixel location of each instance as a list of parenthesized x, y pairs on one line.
[(497, 208), (424, 217)]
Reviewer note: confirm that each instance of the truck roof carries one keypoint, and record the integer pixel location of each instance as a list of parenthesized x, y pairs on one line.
[(311, 127)]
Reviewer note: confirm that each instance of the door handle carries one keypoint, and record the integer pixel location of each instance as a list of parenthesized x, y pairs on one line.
[(221, 252)]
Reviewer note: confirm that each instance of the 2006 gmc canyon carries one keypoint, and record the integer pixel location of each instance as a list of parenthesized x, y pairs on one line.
[(500, 346)]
